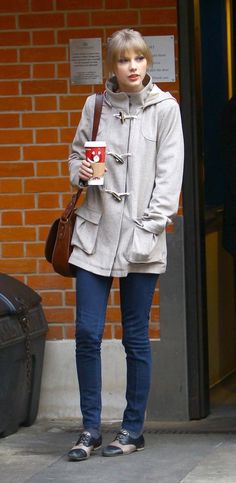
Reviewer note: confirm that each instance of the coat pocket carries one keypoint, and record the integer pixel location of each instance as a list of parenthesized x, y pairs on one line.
[(86, 229), (149, 126), (146, 247)]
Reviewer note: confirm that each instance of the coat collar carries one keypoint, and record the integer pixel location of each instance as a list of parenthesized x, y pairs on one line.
[(122, 100)]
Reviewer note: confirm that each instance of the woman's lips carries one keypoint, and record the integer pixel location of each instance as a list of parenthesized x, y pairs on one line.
[(133, 77)]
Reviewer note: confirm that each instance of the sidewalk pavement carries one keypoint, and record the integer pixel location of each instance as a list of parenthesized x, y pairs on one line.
[(189, 452)]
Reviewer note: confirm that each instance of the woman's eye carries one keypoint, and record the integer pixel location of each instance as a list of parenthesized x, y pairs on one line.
[(140, 58), (122, 60)]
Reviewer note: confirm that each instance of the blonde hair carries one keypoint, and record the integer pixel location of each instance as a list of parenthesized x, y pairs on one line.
[(122, 41)]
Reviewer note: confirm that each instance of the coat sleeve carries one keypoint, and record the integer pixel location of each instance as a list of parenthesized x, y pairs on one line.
[(83, 134), (169, 171)]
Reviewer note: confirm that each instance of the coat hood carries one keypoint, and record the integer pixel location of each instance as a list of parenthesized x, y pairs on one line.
[(149, 95)]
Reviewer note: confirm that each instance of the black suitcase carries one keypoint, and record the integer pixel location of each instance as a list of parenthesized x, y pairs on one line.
[(23, 330)]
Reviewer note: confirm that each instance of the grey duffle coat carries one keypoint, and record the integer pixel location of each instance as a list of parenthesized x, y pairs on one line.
[(120, 227)]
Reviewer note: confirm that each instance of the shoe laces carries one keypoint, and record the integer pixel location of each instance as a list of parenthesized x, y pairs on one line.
[(84, 439), (121, 435)]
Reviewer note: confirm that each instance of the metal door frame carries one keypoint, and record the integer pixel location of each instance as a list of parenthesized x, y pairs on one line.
[(193, 202)]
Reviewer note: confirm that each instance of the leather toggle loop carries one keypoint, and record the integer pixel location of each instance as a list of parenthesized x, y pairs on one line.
[(119, 157), (122, 116), (117, 196)]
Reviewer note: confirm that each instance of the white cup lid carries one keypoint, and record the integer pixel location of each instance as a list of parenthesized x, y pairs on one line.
[(95, 144)]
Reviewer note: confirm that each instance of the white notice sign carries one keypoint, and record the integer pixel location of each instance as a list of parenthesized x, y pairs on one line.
[(86, 61), (163, 53)]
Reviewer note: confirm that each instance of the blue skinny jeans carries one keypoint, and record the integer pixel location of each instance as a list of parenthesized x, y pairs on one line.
[(136, 293)]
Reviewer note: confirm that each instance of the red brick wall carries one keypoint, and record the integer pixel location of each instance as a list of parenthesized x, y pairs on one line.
[(39, 112)]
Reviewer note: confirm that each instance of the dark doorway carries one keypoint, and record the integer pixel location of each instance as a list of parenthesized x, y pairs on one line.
[(210, 304)]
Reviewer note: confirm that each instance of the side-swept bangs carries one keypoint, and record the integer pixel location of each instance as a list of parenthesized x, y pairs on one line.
[(123, 41)]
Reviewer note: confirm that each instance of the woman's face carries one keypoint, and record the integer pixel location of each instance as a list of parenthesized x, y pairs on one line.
[(130, 70)]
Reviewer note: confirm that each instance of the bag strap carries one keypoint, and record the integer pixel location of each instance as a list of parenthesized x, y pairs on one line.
[(96, 119), (97, 114), (71, 206)]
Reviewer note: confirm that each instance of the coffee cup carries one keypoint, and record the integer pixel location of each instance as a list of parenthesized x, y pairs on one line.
[(95, 152)]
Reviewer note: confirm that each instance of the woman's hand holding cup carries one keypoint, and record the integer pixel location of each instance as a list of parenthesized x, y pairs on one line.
[(85, 170)]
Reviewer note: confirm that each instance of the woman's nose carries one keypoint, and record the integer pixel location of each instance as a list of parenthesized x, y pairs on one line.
[(133, 65)]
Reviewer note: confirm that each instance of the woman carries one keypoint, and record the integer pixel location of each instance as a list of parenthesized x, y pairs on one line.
[(120, 231)]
